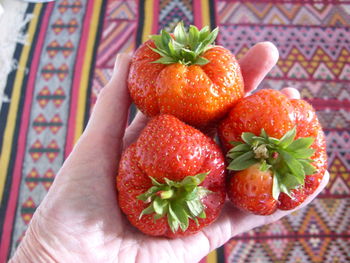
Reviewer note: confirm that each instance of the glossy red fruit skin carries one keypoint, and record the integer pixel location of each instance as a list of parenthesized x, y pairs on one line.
[(169, 148), (277, 114), (268, 109), (197, 95), (251, 190), (142, 78), (309, 126), (298, 197)]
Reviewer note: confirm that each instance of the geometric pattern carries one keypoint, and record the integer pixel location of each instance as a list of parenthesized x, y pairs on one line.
[(118, 36), (33, 179), (172, 12), (50, 109), (54, 47), (65, 5), (314, 45), (59, 25), (47, 91), (27, 210), (57, 97), (284, 13), (37, 150), (312, 234), (40, 123), (312, 38), (326, 61)]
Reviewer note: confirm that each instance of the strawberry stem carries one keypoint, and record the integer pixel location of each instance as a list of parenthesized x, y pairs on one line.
[(261, 152), (184, 47), (287, 158), (167, 194), (179, 201)]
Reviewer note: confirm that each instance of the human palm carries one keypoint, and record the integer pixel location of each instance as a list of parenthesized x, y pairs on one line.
[(79, 219)]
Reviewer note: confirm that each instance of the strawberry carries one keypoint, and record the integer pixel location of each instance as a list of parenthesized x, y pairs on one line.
[(310, 126), (251, 189), (277, 152), (186, 76), (171, 181)]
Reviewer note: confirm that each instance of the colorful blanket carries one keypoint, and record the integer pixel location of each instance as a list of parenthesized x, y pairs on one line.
[(73, 44)]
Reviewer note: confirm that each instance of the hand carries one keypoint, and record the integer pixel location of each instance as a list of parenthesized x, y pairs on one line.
[(80, 221)]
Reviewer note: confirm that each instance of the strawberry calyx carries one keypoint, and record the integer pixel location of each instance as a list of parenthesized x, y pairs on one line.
[(288, 159), (179, 201), (185, 47)]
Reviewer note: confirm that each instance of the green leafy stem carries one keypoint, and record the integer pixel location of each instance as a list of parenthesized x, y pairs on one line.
[(179, 201), (185, 47), (287, 158)]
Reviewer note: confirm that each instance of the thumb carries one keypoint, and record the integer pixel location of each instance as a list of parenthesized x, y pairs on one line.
[(110, 114)]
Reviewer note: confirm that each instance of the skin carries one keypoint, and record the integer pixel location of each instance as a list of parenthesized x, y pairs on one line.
[(79, 219)]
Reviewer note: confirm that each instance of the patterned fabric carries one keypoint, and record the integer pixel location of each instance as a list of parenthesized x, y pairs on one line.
[(313, 41), (48, 108), (118, 35), (64, 67)]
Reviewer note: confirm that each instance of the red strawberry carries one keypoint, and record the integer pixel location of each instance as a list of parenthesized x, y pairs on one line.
[(184, 75), (309, 126), (287, 203), (290, 147), (251, 189), (171, 181)]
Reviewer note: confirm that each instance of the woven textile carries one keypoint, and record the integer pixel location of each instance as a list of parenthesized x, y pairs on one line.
[(314, 45), (73, 45), (48, 107)]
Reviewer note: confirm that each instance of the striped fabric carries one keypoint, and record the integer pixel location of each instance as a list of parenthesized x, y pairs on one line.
[(70, 57)]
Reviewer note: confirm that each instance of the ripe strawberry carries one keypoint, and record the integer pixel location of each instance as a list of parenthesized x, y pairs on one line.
[(309, 126), (171, 181), (251, 189), (290, 148), (185, 75)]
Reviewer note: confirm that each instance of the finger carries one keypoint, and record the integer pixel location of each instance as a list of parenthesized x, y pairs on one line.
[(134, 129), (257, 63), (110, 113), (291, 93)]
